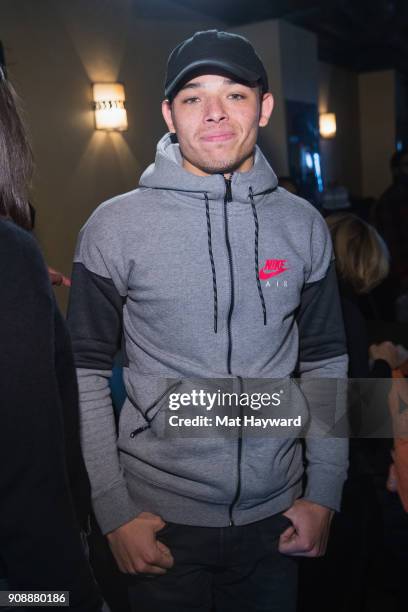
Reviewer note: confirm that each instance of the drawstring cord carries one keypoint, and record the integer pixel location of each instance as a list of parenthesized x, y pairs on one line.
[(258, 282), (210, 252)]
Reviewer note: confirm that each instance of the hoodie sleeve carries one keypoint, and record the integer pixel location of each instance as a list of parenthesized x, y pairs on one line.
[(323, 355), (95, 309)]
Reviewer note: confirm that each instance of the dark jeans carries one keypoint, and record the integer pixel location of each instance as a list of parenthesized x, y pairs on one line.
[(222, 569)]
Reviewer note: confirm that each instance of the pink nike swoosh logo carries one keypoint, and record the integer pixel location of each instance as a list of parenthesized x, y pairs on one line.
[(265, 275)]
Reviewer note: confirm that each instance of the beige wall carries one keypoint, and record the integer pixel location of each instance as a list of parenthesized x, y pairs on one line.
[(377, 129), (365, 107), (299, 63), (54, 50), (338, 93)]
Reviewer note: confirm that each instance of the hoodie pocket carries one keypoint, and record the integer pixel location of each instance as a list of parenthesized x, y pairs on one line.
[(131, 422), (135, 420)]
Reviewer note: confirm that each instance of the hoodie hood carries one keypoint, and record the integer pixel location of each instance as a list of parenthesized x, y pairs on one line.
[(167, 172)]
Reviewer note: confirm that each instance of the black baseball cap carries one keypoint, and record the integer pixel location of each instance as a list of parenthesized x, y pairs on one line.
[(230, 53)]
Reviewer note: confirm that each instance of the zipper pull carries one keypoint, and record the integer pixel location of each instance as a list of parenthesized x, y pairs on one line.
[(139, 430), (228, 190)]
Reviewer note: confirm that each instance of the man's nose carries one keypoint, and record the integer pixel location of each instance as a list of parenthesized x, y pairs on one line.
[(215, 111)]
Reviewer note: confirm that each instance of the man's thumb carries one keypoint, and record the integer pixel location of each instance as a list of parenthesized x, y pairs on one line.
[(287, 543), (287, 535), (165, 552)]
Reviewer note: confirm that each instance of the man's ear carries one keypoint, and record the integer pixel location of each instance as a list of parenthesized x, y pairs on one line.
[(167, 115), (266, 109)]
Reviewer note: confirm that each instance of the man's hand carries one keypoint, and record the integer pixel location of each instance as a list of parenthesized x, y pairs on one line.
[(136, 549), (309, 533)]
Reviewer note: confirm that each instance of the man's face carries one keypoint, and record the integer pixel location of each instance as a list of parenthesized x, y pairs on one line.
[(216, 121)]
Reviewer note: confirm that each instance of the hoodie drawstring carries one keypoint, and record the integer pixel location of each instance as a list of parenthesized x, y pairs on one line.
[(210, 252), (258, 282), (214, 276)]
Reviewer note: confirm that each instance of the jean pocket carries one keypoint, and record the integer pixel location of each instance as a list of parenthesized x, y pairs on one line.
[(270, 530), (164, 531), (286, 522)]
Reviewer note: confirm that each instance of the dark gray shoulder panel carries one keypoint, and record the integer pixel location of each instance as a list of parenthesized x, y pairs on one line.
[(320, 320), (94, 319)]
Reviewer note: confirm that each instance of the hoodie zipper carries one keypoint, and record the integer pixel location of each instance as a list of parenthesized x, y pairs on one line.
[(238, 489), (227, 200)]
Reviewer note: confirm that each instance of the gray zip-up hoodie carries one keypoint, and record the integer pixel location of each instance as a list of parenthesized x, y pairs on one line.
[(202, 277)]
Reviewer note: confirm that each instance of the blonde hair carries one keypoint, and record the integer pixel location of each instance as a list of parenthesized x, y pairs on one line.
[(361, 255)]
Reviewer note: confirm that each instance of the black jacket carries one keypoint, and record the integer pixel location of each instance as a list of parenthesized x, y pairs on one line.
[(44, 491), (355, 326)]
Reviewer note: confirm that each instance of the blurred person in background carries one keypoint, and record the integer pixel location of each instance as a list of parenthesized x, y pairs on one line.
[(44, 489), (362, 263)]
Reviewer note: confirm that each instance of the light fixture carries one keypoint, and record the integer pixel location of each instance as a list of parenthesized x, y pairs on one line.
[(327, 125), (109, 106)]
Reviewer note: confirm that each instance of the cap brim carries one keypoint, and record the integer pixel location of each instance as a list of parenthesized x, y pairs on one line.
[(227, 67)]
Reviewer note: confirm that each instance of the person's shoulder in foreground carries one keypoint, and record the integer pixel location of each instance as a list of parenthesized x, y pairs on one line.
[(31, 434), (17, 241)]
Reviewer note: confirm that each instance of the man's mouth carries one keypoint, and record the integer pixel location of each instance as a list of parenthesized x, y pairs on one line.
[(219, 137)]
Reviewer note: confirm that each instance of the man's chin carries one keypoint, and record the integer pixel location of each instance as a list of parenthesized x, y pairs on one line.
[(219, 166), (214, 168), (214, 165)]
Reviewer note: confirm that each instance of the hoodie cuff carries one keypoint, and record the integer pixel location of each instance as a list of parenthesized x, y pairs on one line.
[(324, 487), (114, 508)]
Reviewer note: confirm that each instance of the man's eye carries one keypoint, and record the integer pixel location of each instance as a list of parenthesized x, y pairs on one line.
[(191, 100), (236, 96)]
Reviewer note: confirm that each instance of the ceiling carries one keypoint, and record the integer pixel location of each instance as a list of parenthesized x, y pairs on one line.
[(358, 34)]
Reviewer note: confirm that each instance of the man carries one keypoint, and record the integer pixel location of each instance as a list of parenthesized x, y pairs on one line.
[(191, 267)]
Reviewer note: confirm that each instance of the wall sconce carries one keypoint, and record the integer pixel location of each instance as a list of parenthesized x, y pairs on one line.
[(327, 125), (109, 106)]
